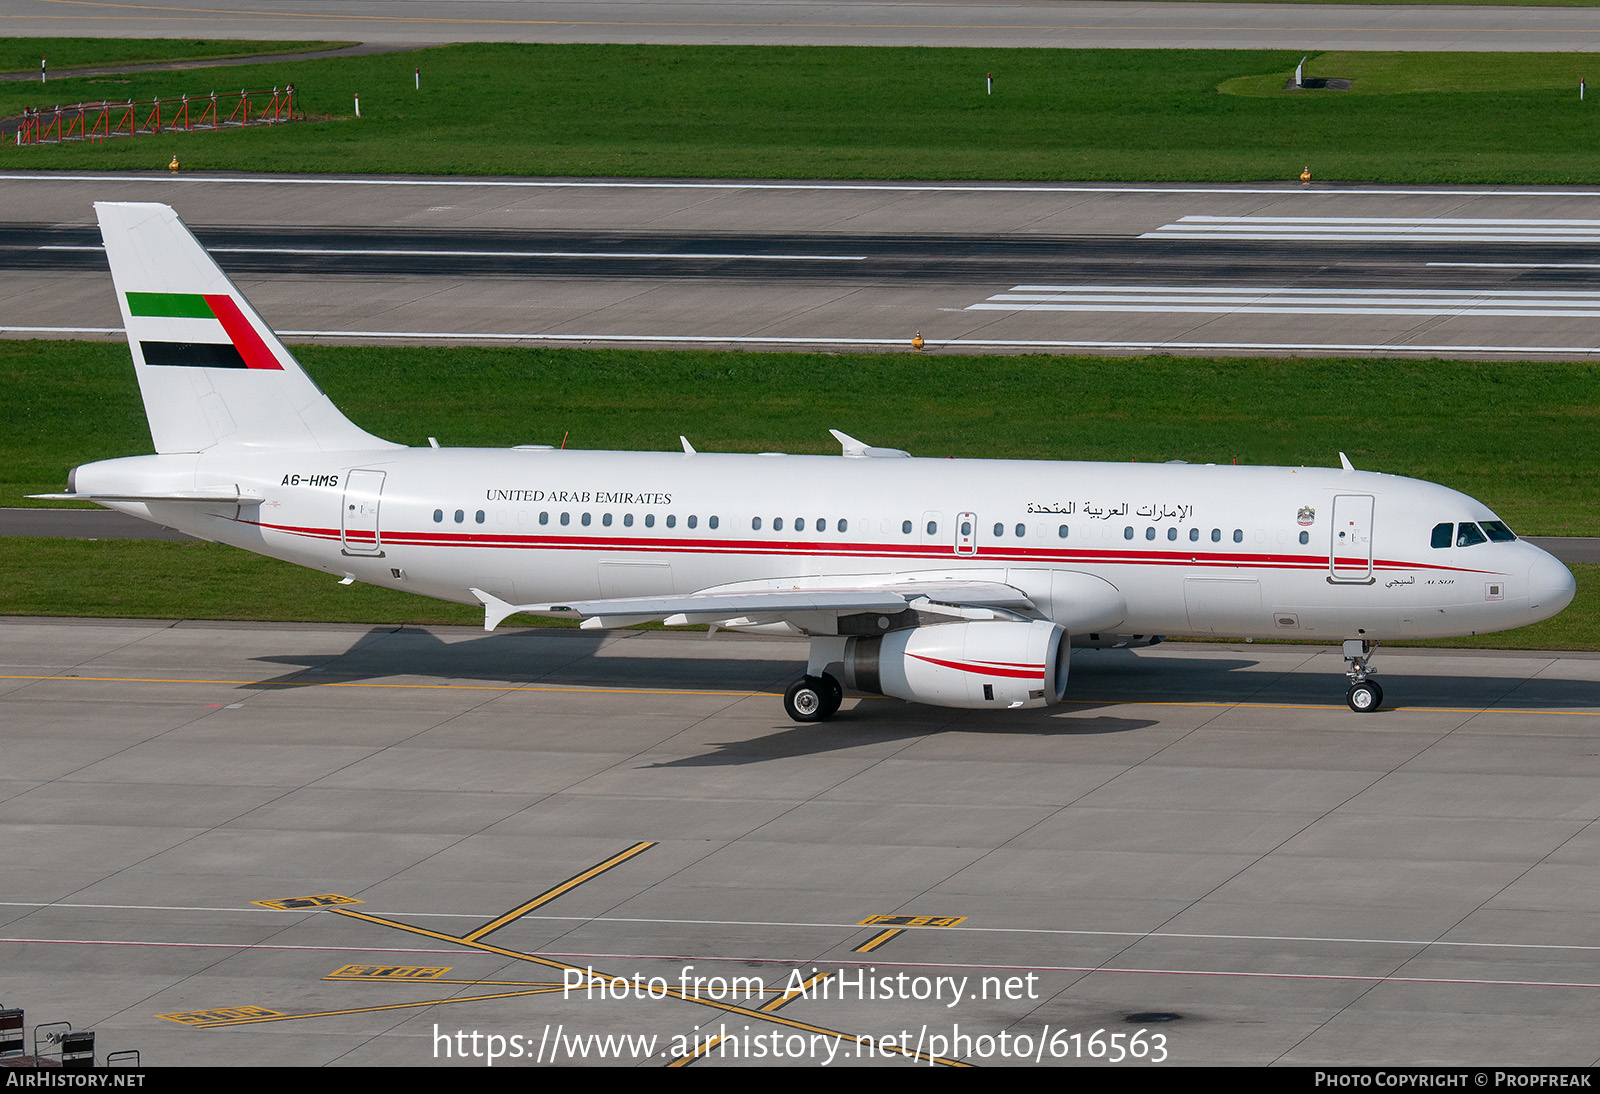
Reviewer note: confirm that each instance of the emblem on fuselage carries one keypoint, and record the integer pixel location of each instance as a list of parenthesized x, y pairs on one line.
[(1307, 515)]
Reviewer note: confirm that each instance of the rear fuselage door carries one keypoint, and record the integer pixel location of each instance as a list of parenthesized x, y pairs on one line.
[(358, 530), (1350, 552)]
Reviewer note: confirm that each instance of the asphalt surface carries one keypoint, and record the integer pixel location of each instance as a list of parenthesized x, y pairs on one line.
[(1276, 268), (1048, 23), (1204, 832)]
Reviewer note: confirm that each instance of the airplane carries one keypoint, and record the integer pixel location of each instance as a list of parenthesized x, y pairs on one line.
[(956, 583)]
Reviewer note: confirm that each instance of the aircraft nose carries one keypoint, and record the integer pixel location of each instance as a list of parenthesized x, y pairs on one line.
[(1551, 585)]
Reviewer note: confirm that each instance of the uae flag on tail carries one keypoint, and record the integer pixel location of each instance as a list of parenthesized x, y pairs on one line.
[(197, 331)]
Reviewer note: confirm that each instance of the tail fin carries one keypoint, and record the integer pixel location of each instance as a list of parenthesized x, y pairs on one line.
[(210, 370)]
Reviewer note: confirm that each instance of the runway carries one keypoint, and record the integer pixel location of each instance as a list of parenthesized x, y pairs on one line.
[(1201, 831), (1046, 23), (1286, 269)]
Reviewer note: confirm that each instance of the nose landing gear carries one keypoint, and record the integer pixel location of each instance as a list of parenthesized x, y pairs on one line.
[(1365, 695)]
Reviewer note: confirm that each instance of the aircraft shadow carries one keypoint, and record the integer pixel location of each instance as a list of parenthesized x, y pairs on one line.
[(1098, 678)]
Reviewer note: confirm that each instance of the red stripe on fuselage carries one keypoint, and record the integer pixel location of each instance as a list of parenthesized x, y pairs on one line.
[(824, 549)]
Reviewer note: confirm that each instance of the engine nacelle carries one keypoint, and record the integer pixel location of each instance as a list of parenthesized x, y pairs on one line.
[(979, 665)]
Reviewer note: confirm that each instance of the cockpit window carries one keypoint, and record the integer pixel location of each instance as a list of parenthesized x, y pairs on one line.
[(1443, 533), (1497, 531), (1468, 535)]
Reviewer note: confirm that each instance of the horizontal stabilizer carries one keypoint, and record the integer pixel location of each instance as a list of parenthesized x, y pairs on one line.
[(230, 496)]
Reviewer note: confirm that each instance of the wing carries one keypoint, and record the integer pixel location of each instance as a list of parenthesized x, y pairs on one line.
[(810, 610)]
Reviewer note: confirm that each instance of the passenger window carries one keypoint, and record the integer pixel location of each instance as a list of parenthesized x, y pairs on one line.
[(1442, 534), (844, 525), (460, 516), (627, 520), (1062, 531), (799, 524), (1238, 535), (1216, 535), (1194, 535), (1467, 535), (1127, 533), (905, 527), (672, 520), (1172, 534), (585, 520), (822, 524), (777, 524), (649, 520), (566, 519), (693, 520), (1022, 530), (1305, 537), (999, 530), (933, 527), (755, 524), (1149, 533), (438, 516), (606, 520), (544, 518), (712, 522), (480, 516)]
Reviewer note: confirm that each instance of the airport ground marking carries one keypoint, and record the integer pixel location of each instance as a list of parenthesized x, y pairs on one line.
[(550, 894), (878, 939), (668, 992), (306, 903), (768, 1007), (1153, 345), (280, 1017), (403, 974)]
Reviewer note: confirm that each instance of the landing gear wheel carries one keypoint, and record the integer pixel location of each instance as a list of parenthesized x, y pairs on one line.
[(1365, 697), (832, 694), (806, 700)]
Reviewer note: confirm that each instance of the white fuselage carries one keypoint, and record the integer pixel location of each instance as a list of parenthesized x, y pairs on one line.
[(1189, 549)]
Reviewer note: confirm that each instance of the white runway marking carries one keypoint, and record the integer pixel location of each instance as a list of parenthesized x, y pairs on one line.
[(1115, 346), (1518, 265), (487, 254), (1380, 229), (1268, 300)]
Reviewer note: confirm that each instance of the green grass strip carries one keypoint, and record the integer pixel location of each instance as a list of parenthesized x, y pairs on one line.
[(838, 112)]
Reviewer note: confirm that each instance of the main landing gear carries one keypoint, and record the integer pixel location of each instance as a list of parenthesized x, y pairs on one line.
[(1365, 696), (813, 698)]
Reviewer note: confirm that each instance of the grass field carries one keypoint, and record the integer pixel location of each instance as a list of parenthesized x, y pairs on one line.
[(817, 112), (1504, 433)]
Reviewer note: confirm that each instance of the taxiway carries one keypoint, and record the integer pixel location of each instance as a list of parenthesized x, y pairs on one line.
[(1201, 831)]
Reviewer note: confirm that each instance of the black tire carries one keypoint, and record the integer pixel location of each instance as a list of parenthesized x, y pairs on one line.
[(832, 694), (1365, 697), (805, 701)]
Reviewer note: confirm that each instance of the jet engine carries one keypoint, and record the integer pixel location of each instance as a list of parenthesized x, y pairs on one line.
[(978, 664)]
